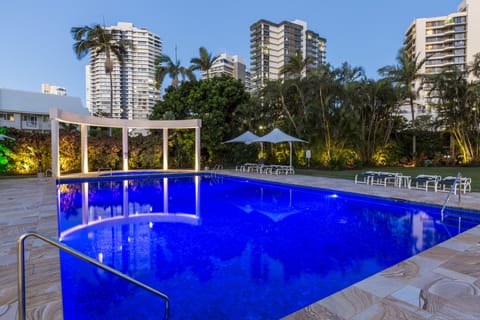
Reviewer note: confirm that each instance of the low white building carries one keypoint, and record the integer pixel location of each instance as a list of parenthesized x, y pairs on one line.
[(29, 111)]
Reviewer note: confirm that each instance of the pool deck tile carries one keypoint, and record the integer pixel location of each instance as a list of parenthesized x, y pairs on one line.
[(438, 284)]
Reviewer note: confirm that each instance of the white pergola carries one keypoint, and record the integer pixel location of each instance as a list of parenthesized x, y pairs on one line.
[(57, 115)]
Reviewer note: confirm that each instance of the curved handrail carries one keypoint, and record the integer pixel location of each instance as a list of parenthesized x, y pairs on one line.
[(59, 245), (458, 179)]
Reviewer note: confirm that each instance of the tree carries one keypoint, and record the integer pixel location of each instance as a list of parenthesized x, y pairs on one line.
[(214, 102), (296, 65), (372, 117), (96, 40), (274, 94), (405, 75), (204, 62), (293, 70), (474, 67), (457, 102), (166, 66)]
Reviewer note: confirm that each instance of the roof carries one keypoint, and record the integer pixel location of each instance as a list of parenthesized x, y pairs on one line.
[(36, 102)]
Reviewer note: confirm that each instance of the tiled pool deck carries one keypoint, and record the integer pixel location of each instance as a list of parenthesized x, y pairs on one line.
[(440, 283)]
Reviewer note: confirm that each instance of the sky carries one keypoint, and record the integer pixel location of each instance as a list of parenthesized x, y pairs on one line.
[(36, 44)]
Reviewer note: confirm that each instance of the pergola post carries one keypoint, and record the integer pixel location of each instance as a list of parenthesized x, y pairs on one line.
[(165, 148), (55, 148), (125, 148), (197, 149), (84, 147)]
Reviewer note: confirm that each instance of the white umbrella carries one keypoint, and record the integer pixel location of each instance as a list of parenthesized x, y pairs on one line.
[(277, 136), (247, 137), (3, 137)]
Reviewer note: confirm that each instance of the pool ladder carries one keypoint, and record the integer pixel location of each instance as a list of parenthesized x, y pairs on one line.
[(214, 173), (61, 246), (452, 188)]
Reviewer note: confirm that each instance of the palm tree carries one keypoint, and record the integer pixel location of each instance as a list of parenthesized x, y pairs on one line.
[(204, 62), (405, 76), (296, 65), (457, 101), (165, 65), (96, 40)]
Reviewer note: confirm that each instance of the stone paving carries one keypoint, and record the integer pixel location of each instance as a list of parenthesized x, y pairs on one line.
[(440, 283), (25, 205)]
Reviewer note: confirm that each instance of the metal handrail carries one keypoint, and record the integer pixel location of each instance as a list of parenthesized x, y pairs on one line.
[(454, 187), (59, 245)]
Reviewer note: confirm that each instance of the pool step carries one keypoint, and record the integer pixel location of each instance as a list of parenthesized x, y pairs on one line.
[(466, 219)]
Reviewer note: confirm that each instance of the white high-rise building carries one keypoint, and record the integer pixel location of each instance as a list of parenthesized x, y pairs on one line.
[(134, 92), (53, 89), (231, 66), (273, 44), (444, 42)]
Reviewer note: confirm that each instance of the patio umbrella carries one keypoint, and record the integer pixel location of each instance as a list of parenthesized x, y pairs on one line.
[(3, 137), (277, 136), (247, 137)]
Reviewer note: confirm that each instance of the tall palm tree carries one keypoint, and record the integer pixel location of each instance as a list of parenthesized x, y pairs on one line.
[(96, 40), (405, 76), (204, 62), (457, 101), (296, 65), (166, 66)]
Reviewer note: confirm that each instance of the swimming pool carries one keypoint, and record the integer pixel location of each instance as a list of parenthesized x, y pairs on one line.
[(229, 248)]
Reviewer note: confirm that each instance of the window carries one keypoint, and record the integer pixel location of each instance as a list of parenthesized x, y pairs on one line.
[(7, 116), (30, 121)]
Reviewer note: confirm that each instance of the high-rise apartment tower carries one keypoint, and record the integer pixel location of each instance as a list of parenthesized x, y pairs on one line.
[(134, 92), (444, 42), (272, 44)]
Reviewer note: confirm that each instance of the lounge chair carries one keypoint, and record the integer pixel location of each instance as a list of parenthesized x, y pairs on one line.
[(423, 181), (365, 177), (251, 167), (384, 178), (284, 170), (464, 185)]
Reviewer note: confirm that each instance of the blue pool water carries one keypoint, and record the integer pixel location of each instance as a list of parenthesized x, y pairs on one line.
[(229, 248)]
